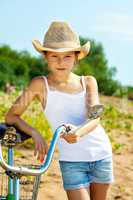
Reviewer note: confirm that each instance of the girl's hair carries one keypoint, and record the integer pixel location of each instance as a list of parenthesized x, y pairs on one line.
[(76, 54)]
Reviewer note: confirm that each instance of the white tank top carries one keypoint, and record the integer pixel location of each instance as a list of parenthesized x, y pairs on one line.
[(62, 107)]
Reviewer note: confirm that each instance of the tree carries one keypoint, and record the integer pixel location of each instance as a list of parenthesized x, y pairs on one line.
[(96, 64)]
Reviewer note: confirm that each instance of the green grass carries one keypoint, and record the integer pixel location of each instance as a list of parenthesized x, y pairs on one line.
[(114, 119), (117, 123)]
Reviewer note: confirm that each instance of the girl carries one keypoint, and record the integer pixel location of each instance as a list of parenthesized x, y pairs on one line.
[(85, 156)]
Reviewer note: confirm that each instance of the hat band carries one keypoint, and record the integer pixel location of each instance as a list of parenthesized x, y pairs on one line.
[(56, 45)]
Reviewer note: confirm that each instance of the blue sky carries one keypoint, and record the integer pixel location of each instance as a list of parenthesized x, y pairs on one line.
[(108, 22)]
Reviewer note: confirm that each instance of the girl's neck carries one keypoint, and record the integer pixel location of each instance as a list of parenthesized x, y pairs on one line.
[(59, 79)]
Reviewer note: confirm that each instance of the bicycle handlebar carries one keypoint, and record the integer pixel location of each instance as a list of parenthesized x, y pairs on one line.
[(42, 168)]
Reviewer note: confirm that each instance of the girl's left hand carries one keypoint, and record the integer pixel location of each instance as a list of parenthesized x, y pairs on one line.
[(71, 136)]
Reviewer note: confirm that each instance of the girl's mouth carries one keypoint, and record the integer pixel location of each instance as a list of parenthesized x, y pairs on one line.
[(60, 68)]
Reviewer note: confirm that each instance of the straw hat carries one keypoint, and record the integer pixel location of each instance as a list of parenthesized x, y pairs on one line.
[(60, 37)]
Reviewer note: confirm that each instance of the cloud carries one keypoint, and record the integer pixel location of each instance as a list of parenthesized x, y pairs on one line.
[(116, 26)]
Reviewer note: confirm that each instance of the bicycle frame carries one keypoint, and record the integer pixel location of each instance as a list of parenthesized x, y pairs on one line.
[(10, 181), (17, 172)]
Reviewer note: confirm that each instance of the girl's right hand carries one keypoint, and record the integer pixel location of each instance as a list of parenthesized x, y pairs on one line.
[(41, 147), (69, 133)]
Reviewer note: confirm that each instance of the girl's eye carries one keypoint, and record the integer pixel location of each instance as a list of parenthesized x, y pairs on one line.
[(68, 56), (54, 56)]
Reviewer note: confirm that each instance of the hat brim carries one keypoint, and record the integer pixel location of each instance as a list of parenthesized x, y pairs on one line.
[(83, 50)]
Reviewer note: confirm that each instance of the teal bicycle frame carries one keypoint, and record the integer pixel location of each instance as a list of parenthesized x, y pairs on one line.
[(14, 173)]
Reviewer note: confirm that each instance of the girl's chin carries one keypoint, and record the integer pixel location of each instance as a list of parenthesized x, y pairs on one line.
[(61, 70)]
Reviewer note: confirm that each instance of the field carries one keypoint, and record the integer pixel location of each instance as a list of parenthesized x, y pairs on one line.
[(118, 123)]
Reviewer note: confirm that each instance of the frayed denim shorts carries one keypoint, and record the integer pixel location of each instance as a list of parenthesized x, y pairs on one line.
[(77, 175)]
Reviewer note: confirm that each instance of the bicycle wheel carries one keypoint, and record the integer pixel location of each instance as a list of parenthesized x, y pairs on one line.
[(29, 186), (3, 184)]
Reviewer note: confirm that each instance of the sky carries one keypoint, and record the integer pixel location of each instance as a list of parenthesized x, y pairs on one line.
[(108, 22)]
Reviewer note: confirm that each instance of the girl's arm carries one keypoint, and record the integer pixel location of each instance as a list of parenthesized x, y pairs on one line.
[(92, 98), (13, 117)]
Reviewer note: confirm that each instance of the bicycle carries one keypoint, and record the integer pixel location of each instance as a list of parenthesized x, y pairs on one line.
[(10, 136)]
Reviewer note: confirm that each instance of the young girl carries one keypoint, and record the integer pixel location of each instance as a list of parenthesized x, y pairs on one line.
[(85, 156)]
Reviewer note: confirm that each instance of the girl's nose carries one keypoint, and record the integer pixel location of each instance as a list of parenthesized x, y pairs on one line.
[(60, 60)]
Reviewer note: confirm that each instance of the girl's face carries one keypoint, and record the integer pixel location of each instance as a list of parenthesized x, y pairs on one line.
[(59, 62)]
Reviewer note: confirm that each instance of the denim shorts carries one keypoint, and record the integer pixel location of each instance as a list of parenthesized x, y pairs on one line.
[(77, 175)]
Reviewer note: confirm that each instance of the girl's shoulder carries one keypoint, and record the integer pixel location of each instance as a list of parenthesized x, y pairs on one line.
[(37, 85), (90, 80), (37, 81)]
